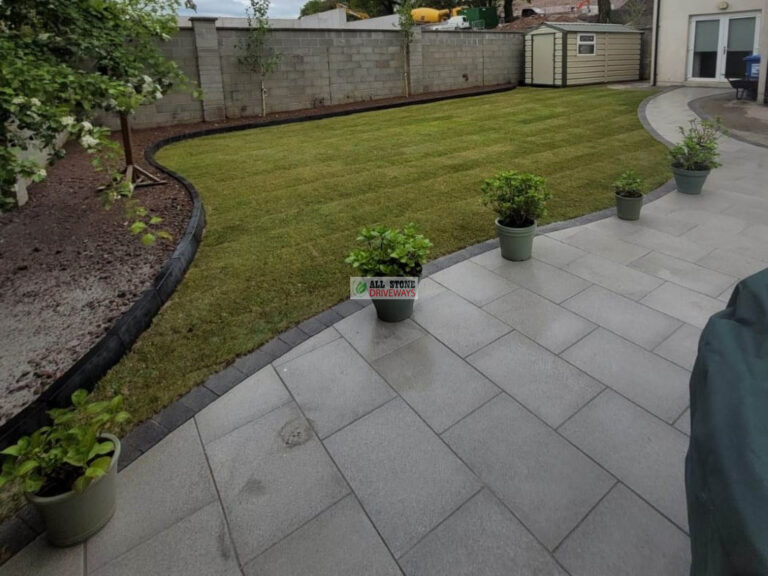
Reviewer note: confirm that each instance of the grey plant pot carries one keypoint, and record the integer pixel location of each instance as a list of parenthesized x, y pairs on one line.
[(73, 517), (690, 181), (516, 243), (393, 310), (628, 208)]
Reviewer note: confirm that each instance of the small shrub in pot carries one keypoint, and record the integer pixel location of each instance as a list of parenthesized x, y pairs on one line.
[(390, 252), (68, 469), (519, 200), (696, 155), (629, 196)]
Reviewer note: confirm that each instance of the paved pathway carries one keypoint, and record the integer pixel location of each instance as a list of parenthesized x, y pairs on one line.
[(530, 419)]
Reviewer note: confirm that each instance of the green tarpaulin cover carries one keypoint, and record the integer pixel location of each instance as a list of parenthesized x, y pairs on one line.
[(726, 472)]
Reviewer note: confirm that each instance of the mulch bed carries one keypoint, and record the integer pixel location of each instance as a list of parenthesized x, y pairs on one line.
[(69, 267)]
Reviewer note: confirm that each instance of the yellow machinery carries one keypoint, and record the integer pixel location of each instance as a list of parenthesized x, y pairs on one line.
[(350, 12), (433, 15), (429, 15)]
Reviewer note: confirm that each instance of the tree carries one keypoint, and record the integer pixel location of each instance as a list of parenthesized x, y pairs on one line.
[(62, 61), (406, 24), (604, 10), (315, 6), (256, 55)]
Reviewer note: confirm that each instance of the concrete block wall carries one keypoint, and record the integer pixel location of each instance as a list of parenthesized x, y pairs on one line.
[(176, 107), (325, 67), (453, 60)]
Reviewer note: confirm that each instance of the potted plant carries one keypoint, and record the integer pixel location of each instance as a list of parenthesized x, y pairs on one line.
[(629, 199), (390, 252), (694, 157), (519, 199), (68, 469)]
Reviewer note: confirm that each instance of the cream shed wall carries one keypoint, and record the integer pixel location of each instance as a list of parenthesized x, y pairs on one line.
[(672, 35), (617, 57)]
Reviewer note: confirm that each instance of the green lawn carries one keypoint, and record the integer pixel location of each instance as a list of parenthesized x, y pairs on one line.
[(284, 205)]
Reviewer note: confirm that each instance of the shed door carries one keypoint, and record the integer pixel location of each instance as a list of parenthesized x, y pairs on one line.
[(544, 59)]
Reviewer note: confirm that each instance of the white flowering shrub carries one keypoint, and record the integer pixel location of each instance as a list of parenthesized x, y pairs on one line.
[(61, 61)]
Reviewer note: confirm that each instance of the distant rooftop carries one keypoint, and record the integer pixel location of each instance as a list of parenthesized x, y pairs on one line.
[(591, 27)]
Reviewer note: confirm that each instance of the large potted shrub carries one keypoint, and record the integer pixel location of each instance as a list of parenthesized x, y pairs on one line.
[(695, 156), (389, 252), (68, 469), (629, 198), (519, 200)]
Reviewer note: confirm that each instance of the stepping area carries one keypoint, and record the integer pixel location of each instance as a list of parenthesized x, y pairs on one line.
[(531, 418)]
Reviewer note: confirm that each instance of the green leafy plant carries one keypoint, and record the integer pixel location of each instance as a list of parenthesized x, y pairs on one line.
[(518, 198), (390, 252), (70, 453), (629, 184), (699, 148), (145, 225)]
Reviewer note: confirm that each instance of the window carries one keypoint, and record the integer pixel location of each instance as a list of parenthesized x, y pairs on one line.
[(585, 44)]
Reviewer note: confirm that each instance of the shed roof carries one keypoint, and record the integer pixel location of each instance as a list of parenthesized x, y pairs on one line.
[(591, 27)]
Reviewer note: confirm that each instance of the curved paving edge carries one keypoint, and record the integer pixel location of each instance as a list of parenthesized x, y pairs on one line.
[(19, 531), (111, 348), (695, 105)]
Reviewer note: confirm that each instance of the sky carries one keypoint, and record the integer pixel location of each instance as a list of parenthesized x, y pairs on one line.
[(236, 8)]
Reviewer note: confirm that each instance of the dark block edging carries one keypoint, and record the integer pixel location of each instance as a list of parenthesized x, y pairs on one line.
[(92, 366), (17, 532)]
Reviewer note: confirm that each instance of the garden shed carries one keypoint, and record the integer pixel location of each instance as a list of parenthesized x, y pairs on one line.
[(573, 53)]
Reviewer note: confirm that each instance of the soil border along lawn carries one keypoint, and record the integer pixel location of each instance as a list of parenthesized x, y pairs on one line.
[(108, 351), (155, 428)]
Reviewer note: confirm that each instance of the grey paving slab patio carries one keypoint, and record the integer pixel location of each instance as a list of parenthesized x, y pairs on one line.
[(531, 418)]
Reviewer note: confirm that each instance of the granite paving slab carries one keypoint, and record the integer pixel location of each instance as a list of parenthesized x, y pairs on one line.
[(624, 536), (546, 482), (407, 480), (645, 453), (334, 386), (481, 538), (545, 384), (272, 475), (435, 382), (338, 542), (645, 378)]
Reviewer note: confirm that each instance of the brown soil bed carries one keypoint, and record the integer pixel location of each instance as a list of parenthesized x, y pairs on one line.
[(69, 267)]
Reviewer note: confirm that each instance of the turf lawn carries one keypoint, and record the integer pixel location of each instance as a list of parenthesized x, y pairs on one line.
[(284, 205)]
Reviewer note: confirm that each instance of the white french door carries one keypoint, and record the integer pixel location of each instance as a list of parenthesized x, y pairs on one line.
[(718, 44)]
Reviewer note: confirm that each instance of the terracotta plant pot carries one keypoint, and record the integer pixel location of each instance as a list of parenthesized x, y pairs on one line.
[(73, 517), (516, 243)]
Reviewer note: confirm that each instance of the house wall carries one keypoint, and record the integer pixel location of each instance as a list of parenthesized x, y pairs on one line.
[(674, 17), (324, 67), (617, 59)]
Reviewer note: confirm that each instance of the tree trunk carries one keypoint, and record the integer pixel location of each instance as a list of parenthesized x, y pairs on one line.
[(263, 99), (406, 69), (508, 11), (604, 11)]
